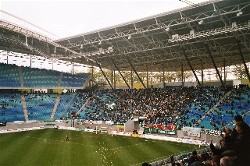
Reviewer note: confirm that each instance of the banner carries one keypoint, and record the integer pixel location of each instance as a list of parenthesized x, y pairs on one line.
[(191, 131), (158, 131)]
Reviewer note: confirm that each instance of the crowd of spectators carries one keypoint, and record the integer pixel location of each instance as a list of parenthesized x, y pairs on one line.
[(234, 149), (178, 106), (188, 106)]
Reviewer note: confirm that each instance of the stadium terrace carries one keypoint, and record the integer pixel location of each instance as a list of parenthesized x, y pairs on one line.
[(169, 89)]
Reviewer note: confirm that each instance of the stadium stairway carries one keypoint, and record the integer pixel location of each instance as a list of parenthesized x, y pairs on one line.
[(64, 113), (55, 107), (25, 111), (60, 80), (84, 104), (211, 109), (21, 77)]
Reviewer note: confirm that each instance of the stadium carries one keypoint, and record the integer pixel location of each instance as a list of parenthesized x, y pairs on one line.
[(153, 91)]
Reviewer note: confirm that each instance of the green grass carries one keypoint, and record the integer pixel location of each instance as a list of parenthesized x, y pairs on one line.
[(48, 148)]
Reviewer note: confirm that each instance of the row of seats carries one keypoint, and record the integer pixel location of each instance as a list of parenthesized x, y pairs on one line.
[(9, 76), (11, 107), (14, 76), (178, 106)]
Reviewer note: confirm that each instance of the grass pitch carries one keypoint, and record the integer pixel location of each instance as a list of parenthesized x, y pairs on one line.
[(48, 147)]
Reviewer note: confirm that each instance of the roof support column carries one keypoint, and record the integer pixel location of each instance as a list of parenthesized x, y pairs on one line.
[(48, 49), (243, 59), (215, 66), (136, 73), (120, 74), (202, 74), (91, 80), (73, 68), (31, 62), (114, 81), (190, 65), (52, 64), (26, 40), (132, 79), (182, 76), (98, 64), (92, 75), (163, 77), (32, 44), (147, 76), (224, 70), (112, 78)]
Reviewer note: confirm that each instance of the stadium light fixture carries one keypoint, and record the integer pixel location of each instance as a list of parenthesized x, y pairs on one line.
[(110, 49), (239, 13), (234, 25)]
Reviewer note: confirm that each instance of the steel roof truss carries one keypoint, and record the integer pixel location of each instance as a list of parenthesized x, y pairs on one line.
[(136, 73), (190, 65), (214, 64), (120, 73), (243, 59)]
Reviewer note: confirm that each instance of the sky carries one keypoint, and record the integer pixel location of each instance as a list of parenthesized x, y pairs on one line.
[(60, 19)]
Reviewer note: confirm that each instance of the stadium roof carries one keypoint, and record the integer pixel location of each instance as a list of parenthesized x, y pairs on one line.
[(205, 35)]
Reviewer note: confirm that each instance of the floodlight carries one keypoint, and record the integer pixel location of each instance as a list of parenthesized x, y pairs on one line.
[(200, 22), (110, 49), (234, 25), (239, 13)]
